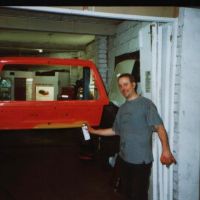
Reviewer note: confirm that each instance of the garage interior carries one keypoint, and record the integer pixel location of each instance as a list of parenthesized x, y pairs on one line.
[(46, 164)]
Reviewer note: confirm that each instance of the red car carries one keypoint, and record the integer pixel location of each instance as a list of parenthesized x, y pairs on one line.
[(39, 92)]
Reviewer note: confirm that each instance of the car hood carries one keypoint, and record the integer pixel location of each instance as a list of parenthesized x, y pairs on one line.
[(114, 94)]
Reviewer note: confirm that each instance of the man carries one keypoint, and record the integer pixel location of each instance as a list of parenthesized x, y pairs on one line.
[(135, 122)]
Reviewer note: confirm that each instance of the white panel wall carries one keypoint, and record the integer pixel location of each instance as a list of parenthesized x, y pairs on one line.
[(177, 90), (187, 121)]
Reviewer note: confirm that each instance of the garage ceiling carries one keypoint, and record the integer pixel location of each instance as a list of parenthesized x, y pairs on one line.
[(11, 40), (24, 31)]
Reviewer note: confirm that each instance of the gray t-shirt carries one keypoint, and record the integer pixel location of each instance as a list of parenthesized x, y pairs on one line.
[(134, 123)]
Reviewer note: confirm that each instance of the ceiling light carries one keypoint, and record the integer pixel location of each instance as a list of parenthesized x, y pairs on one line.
[(40, 50)]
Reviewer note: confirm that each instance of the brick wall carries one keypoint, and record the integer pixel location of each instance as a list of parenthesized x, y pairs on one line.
[(102, 58), (97, 52), (90, 52)]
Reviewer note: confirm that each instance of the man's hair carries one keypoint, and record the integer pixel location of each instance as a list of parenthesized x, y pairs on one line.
[(127, 75)]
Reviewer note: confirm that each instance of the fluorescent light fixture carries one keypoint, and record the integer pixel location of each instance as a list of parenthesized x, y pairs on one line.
[(29, 79), (40, 50), (64, 96)]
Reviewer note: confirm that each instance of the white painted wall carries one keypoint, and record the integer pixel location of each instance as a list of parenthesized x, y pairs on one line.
[(18, 74), (126, 40), (187, 120), (37, 80)]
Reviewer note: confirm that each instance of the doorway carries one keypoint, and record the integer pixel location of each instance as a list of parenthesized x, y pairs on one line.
[(20, 89), (157, 80)]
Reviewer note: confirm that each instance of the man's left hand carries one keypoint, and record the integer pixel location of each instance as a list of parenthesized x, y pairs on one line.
[(167, 158)]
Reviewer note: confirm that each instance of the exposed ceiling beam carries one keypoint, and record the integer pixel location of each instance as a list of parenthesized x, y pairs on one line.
[(45, 47), (61, 10), (56, 26), (20, 39)]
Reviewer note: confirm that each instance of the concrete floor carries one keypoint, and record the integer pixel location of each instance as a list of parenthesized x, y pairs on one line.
[(45, 165)]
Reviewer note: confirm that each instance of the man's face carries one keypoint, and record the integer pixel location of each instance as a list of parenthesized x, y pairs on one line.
[(126, 87)]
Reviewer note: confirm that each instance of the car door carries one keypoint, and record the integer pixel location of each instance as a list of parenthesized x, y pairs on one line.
[(60, 93)]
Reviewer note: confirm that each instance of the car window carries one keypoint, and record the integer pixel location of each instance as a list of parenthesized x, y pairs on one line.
[(47, 83)]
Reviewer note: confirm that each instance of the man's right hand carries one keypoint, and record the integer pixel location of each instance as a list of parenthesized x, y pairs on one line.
[(90, 129), (101, 132)]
